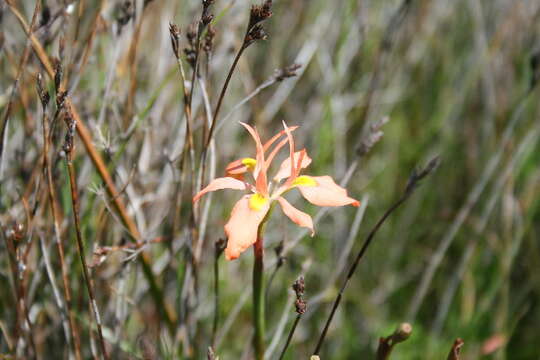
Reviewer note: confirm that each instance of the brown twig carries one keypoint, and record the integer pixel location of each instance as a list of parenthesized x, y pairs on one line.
[(455, 350), (44, 98), (386, 344), (254, 32), (68, 150), (414, 181)]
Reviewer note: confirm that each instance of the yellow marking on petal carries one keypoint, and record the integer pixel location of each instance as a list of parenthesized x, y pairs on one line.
[(257, 202), (250, 163), (304, 181)]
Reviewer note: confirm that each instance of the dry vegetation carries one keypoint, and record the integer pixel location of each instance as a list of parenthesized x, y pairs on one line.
[(114, 114)]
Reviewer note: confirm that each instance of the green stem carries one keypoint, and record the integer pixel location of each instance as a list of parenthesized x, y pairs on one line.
[(258, 298), (258, 288)]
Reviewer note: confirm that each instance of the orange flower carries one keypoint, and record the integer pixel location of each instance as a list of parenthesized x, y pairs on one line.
[(251, 210)]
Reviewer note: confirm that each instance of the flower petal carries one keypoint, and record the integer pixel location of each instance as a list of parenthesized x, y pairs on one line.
[(240, 166), (259, 172), (274, 152), (285, 167), (300, 218), (241, 229), (291, 153), (323, 191), (269, 143), (220, 184)]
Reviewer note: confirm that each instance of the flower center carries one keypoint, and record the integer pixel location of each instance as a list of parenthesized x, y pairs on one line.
[(304, 181), (250, 163), (257, 202)]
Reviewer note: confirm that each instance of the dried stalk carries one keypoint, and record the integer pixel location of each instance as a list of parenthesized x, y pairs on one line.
[(84, 134), (44, 97), (68, 149)]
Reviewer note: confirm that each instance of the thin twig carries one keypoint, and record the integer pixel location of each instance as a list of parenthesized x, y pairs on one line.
[(279, 76), (290, 336), (219, 248), (412, 184), (254, 32), (44, 97), (68, 149)]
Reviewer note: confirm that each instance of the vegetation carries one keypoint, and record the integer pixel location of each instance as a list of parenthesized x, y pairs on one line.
[(115, 114)]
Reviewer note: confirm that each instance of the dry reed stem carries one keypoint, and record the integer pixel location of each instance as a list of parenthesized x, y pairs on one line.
[(57, 232), (82, 130), (80, 243)]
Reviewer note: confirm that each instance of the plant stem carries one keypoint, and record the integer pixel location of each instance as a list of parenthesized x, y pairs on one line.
[(216, 300), (219, 247), (258, 297), (80, 248), (290, 336), (57, 235), (222, 94)]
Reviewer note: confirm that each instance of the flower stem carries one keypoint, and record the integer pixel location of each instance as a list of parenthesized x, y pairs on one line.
[(258, 298)]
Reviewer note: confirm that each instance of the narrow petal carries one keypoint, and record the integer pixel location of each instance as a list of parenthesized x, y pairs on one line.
[(274, 152), (269, 143), (300, 218), (220, 184), (240, 166), (241, 229), (291, 154), (285, 168), (259, 173), (323, 191)]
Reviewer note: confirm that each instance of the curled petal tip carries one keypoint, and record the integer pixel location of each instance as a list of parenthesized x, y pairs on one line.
[(230, 255)]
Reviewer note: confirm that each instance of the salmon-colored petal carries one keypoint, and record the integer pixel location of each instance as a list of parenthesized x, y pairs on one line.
[(240, 166), (298, 217), (259, 173), (241, 229), (220, 184), (274, 152), (285, 167), (291, 154), (269, 143), (323, 191)]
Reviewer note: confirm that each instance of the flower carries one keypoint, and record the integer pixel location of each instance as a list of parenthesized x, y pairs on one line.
[(252, 209)]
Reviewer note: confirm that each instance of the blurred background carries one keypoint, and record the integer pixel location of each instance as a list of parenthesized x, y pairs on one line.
[(382, 88)]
